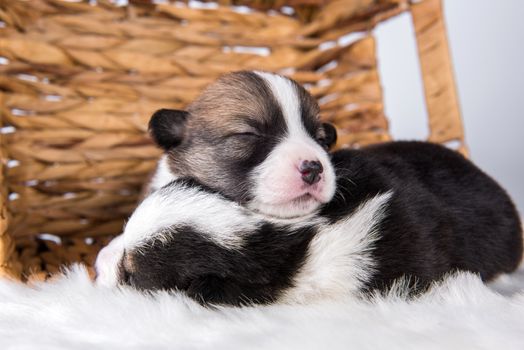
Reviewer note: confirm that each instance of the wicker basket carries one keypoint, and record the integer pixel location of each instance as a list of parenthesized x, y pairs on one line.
[(79, 82)]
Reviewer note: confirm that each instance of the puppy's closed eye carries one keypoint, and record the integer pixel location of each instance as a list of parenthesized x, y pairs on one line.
[(242, 143)]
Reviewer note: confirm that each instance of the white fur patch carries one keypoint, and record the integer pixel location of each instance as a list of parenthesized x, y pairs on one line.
[(277, 181), (162, 175), (222, 220), (107, 262), (339, 258), (285, 93)]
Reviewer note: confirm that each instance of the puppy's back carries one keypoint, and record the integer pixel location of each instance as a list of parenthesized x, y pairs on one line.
[(445, 213), (486, 223)]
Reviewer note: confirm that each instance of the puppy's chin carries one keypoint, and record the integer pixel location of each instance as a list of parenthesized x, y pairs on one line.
[(301, 206)]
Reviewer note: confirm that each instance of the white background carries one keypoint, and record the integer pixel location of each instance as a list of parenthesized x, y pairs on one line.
[(486, 39)]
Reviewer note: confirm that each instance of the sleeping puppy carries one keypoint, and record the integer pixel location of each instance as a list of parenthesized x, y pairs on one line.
[(260, 220), (256, 138), (404, 209)]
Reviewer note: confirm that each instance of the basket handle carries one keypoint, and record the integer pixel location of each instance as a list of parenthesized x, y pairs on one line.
[(442, 104)]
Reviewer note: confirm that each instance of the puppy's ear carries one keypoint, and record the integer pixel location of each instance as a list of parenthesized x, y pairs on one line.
[(167, 127), (331, 134)]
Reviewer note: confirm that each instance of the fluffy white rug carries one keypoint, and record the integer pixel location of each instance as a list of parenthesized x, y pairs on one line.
[(71, 313)]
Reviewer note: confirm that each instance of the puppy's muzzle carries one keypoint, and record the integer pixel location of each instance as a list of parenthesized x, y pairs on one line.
[(310, 170)]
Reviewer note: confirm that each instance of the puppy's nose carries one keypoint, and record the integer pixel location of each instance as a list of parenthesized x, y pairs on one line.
[(310, 170)]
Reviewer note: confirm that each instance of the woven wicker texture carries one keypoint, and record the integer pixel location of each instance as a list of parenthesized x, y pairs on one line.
[(79, 83)]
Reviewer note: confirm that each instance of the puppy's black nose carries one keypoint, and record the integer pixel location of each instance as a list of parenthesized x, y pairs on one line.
[(310, 170)]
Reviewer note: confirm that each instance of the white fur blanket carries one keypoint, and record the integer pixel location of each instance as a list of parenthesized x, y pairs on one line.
[(71, 313)]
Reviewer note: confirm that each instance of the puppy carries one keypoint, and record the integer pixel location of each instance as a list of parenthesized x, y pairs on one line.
[(404, 209), (259, 219), (256, 138)]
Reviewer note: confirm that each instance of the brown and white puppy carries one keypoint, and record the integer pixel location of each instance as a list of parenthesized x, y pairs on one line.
[(256, 138)]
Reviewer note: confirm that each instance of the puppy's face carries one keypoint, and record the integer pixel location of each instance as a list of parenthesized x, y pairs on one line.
[(256, 138)]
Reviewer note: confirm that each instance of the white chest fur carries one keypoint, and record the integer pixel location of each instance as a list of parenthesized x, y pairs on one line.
[(162, 175), (339, 259)]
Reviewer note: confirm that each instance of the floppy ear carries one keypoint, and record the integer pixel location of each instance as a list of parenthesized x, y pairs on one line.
[(331, 134), (167, 127)]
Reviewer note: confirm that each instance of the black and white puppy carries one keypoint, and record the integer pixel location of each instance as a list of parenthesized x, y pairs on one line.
[(254, 136), (260, 220), (402, 209)]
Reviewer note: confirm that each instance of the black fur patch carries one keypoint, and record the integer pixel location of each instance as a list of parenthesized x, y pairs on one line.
[(167, 127), (189, 261)]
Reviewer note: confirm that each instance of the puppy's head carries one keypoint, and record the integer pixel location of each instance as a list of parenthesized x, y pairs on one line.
[(185, 237), (256, 138)]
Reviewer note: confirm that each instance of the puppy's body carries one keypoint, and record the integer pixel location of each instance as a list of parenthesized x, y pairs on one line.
[(444, 213), (405, 209)]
